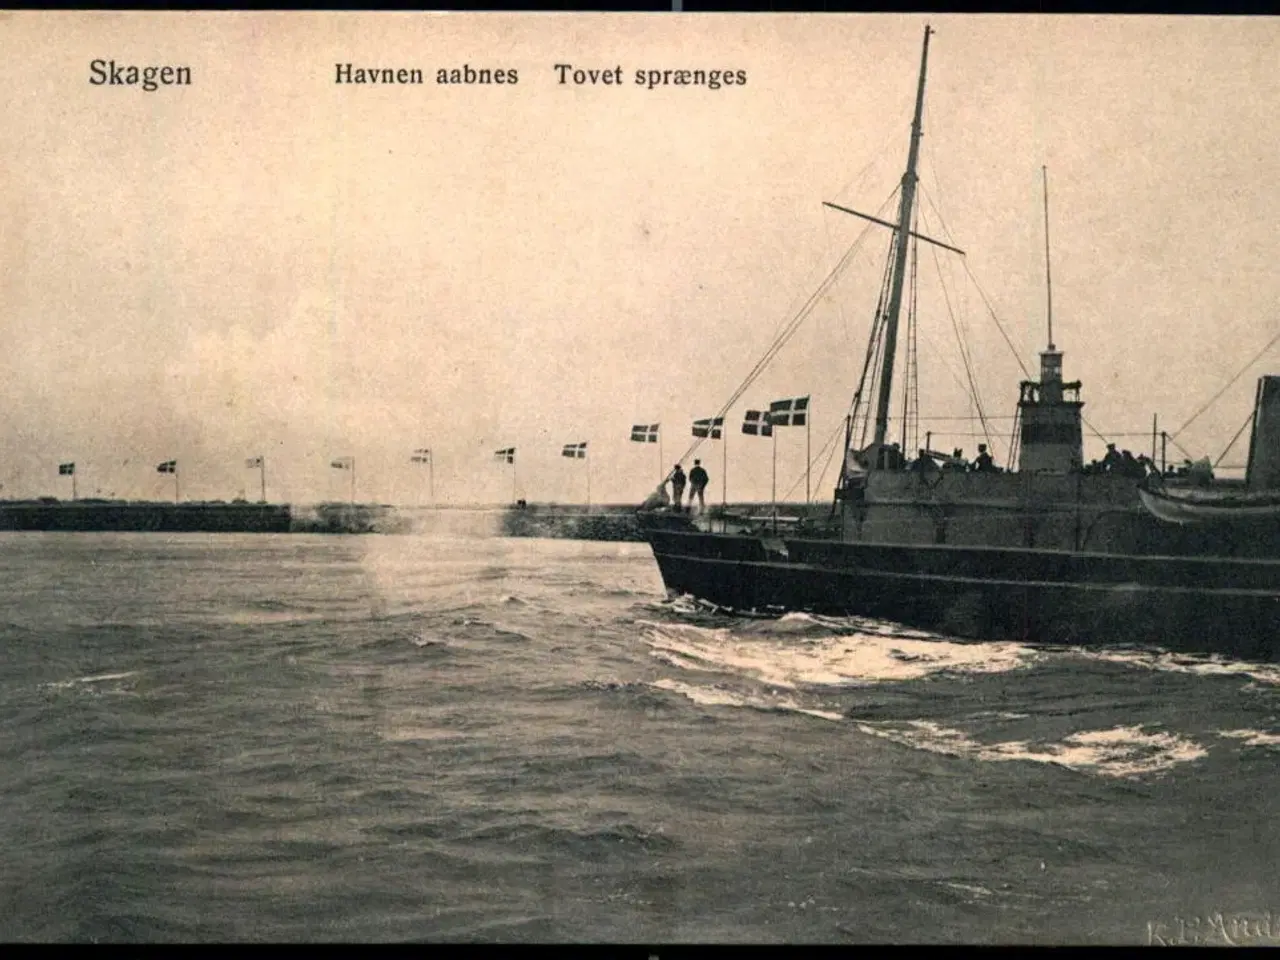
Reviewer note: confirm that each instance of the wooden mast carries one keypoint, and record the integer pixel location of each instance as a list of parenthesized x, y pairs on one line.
[(905, 211)]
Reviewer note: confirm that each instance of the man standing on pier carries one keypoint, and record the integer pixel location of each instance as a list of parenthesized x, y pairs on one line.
[(697, 485)]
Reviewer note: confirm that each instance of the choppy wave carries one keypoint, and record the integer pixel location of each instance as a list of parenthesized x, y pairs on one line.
[(1126, 751), (353, 739), (1252, 738), (723, 697), (83, 681), (1207, 665)]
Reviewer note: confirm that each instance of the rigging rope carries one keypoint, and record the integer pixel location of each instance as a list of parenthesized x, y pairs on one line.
[(1015, 439), (964, 354), (831, 456), (792, 326), (933, 172), (1185, 452), (829, 443), (872, 361), (987, 300), (891, 136), (981, 292), (1017, 356), (1248, 420), (855, 181), (1012, 349), (999, 326), (1270, 343)]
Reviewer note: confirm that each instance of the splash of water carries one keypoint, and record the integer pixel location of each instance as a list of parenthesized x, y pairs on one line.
[(841, 660)]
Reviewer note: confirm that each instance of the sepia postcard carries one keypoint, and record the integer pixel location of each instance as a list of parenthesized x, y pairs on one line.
[(637, 478)]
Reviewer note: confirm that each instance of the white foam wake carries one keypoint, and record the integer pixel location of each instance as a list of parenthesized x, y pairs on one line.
[(1196, 665), (1252, 738), (721, 697), (846, 660), (1118, 752)]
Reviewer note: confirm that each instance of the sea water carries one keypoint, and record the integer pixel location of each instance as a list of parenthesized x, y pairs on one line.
[(436, 738)]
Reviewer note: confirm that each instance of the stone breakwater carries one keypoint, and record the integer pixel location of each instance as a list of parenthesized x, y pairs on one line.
[(572, 522), (621, 521), (144, 517), (349, 518), (605, 522)]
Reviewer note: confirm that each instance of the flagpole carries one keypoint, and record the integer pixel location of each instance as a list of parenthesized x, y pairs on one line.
[(262, 472), (808, 496), (724, 468), (175, 482), (774, 495), (431, 476), (73, 481), (588, 466), (353, 481)]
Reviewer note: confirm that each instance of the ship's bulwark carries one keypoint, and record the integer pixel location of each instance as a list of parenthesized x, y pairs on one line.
[(1036, 596), (1083, 514)]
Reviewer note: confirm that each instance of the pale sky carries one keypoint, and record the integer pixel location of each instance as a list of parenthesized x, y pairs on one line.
[(266, 262)]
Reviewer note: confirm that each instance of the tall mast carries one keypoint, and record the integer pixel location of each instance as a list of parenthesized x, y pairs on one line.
[(1048, 282), (900, 260)]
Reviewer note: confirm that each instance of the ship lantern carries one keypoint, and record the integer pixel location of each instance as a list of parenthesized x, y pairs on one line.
[(1051, 366)]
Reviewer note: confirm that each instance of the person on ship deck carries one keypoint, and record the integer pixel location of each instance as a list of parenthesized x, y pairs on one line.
[(677, 488), (1130, 467), (983, 463), (1146, 467), (1112, 462), (923, 463), (698, 480)]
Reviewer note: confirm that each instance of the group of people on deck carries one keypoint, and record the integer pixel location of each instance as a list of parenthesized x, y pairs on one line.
[(696, 480), (891, 457), (1140, 467), (1122, 463), (956, 463)]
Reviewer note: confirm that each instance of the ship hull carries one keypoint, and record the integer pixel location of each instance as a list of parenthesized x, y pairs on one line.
[(1055, 597)]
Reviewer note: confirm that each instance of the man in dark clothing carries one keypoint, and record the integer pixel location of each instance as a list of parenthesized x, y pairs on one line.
[(677, 488), (1112, 461), (1130, 467), (697, 485), (983, 462)]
